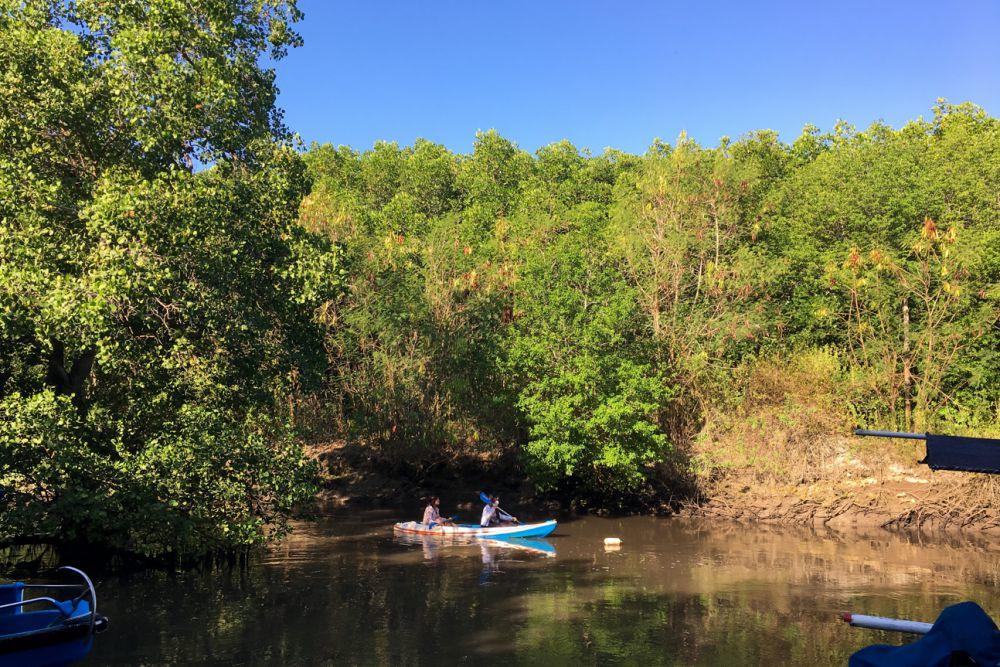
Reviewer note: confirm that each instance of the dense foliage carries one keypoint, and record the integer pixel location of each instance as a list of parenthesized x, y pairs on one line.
[(586, 312), (182, 293), (154, 317)]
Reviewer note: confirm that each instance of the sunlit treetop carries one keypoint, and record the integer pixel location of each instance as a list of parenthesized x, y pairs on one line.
[(184, 80)]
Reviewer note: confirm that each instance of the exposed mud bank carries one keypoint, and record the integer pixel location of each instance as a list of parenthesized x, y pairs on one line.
[(856, 487), (832, 507)]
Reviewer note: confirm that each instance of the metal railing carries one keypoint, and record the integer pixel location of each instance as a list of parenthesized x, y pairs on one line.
[(890, 434), (87, 589)]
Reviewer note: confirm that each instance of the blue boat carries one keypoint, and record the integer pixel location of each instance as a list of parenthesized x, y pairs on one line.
[(45, 631), (963, 634)]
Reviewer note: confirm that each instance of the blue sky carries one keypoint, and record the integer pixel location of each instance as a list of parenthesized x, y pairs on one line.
[(621, 73)]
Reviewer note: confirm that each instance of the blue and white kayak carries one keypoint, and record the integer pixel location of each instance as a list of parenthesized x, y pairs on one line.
[(473, 530)]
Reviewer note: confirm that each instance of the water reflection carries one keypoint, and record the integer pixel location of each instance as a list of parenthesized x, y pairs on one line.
[(491, 551), (345, 591), (432, 545), (536, 545)]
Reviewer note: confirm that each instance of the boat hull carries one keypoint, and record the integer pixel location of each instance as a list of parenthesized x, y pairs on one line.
[(540, 529), (45, 638), (44, 631)]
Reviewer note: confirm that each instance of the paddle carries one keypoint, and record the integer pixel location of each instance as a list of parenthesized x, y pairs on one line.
[(486, 500)]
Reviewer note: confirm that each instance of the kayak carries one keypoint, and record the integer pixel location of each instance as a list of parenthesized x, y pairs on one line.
[(473, 530)]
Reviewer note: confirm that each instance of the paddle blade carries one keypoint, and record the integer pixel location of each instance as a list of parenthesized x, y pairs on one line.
[(485, 498)]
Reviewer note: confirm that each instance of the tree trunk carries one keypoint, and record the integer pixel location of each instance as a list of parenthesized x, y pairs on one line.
[(656, 312), (907, 365), (70, 382)]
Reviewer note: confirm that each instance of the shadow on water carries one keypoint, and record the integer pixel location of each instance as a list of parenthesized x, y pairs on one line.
[(343, 590)]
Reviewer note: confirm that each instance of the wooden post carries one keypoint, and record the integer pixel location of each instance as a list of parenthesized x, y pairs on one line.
[(907, 379)]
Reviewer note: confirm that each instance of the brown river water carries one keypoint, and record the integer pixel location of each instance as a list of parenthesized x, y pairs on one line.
[(344, 590)]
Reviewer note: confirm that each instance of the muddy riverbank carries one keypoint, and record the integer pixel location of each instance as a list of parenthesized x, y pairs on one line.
[(823, 480)]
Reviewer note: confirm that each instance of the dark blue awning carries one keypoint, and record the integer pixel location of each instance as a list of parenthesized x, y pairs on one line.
[(949, 452), (961, 632)]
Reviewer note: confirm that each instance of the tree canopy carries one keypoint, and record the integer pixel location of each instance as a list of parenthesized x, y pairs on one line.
[(602, 305), (152, 315), (186, 295)]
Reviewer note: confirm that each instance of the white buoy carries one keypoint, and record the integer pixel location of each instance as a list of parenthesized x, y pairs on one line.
[(612, 541)]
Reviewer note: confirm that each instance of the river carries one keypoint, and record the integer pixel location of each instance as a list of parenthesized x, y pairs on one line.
[(344, 590)]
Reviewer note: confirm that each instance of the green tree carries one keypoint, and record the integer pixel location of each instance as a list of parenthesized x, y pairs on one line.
[(592, 313), (491, 179), (683, 233), (590, 388), (860, 201), (910, 322), (155, 321)]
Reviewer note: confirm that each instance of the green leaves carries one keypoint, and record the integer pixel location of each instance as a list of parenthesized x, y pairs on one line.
[(170, 296), (185, 76), (577, 309), (881, 219), (197, 293), (590, 389), (54, 480)]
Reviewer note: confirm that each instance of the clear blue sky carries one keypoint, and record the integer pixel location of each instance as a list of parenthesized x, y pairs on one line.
[(620, 73)]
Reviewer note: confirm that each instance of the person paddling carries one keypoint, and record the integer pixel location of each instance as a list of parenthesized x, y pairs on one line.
[(494, 516), (432, 514)]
